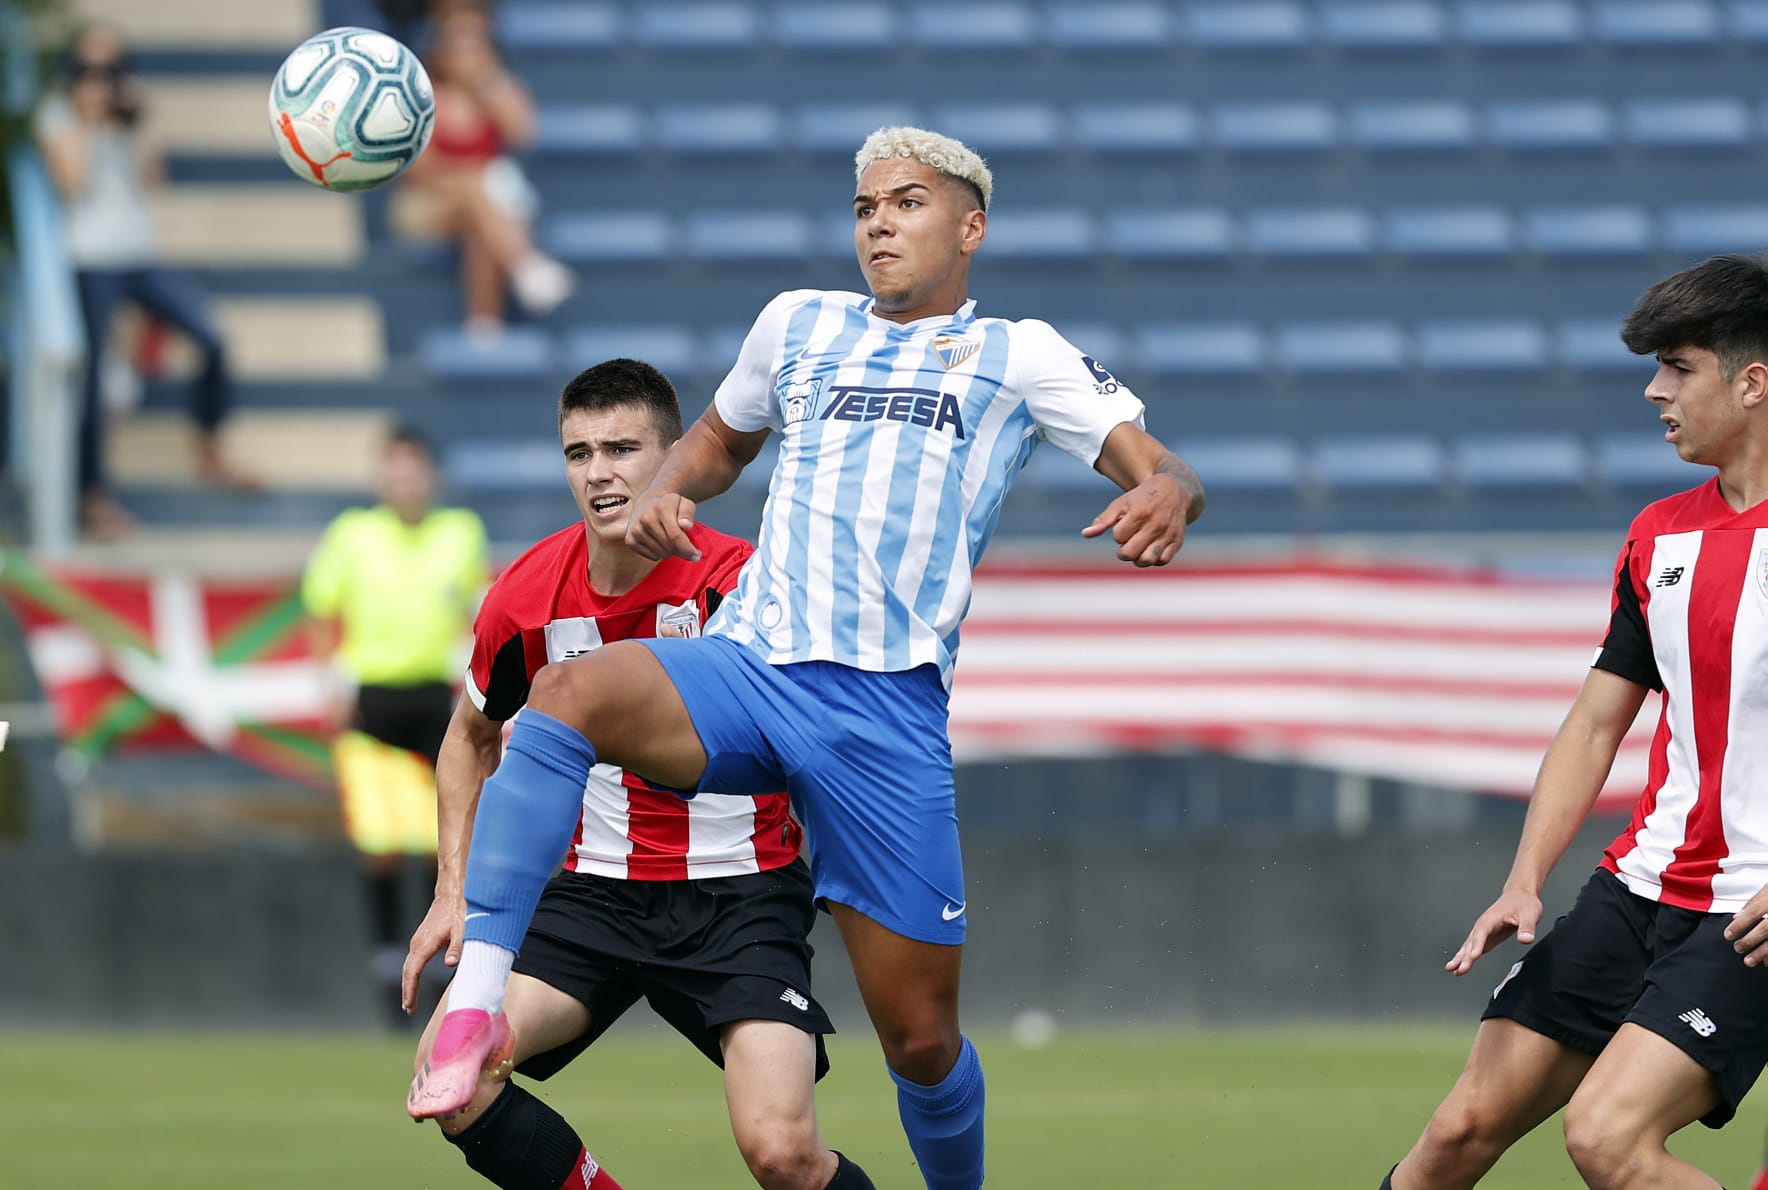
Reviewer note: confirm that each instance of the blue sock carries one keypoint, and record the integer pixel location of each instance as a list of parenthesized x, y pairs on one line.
[(944, 1123), (527, 813)]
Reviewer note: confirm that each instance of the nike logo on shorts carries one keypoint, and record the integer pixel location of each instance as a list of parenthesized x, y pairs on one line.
[(951, 914)]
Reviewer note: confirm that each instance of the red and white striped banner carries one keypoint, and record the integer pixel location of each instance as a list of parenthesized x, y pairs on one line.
[(1451, 678)]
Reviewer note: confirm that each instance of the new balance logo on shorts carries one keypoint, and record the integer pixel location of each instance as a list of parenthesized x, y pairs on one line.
[(796, 999), (1699, 1021)]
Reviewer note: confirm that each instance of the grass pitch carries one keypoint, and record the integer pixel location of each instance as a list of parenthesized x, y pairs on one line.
[(1124, 1110)]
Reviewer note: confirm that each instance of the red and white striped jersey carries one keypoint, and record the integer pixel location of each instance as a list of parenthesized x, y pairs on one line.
[(543, 609), (1690, 618)]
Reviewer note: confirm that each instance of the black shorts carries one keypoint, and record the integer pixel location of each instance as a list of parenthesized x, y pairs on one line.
[(1618, 957), (414, 718), (703, 953)]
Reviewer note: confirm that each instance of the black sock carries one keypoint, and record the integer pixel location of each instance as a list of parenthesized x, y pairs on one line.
[(520, 1143), (1387, 1183), (848, 1176)]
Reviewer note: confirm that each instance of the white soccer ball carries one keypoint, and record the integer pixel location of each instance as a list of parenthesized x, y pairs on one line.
[(350, 109)]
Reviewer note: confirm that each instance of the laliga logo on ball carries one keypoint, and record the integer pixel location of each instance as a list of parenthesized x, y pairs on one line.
[(350, 109)]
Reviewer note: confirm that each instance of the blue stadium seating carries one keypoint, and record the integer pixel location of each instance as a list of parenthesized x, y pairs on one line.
[(1186, 232), (1747, 20), (1347, 348), (1510, 462), (1444, 125), (673, 349), (981, 25), (1041, 233), (1498, 345), (665, 25), (1643, 459), (1610, 230), (1368, 462), (1051, 470), (559, 25), (1249, 463), (479, 468), (1520, 24), (1296, 126), (518, 353), (1310, 231), (1655, 24), (1718, 122), (1594, 345), (1450, 231), (1247, 25), (589, 237), (1384, 24), (720, 128), (1711, 228), (1026, 127), (1153, 127), (589, 129), (1200, 349), (1139, 26), (1550, 124), (841, 25), (842, 127), (748, 236)]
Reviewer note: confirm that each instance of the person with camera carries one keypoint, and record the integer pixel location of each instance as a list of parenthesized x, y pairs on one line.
[(89, 133)]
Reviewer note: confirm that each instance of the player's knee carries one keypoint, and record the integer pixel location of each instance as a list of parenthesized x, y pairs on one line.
[(1602, 1151), (1461, 1133), (783, 1154), (924, 1053), (565, 690)]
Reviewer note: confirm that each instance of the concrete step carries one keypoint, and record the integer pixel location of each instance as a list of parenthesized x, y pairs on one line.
[(208, 24), (330, 451), (292, 226)]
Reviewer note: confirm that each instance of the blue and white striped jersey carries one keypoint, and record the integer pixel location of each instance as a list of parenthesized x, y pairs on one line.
[(898, 444)]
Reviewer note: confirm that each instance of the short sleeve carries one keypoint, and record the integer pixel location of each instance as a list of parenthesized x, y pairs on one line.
[(1074, 399), (497, 676), (322, 584), (745, 400), (1626, 651)]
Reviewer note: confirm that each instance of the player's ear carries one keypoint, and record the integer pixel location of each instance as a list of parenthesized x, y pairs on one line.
[(1752, 384), (974, 230)]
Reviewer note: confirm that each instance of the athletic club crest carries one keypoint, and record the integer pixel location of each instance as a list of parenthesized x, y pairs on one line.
[(1762, 571), (954, 349), (683, 621)]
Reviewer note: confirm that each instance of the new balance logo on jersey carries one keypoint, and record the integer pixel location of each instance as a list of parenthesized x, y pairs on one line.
[(797, 1000), (1699, 1021), (1669, 576), (917, 406)]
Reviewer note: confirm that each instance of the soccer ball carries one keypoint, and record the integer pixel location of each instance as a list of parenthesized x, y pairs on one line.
[(351, 108)]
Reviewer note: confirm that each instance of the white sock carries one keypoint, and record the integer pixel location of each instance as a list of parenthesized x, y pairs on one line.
[(480, 979)]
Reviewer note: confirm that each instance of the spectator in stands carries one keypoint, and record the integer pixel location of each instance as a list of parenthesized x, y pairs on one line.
[(89, 132), (466, 186), (392, 591)]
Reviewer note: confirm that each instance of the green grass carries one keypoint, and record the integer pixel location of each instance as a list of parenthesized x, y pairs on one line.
[(1124, 1110)]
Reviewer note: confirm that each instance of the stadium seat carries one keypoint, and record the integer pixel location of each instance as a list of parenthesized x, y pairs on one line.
[(589, 128), (1199, 348), (1383, 24), (1449, 231), (1511, 462), (983, 25), (1409, 462), (1042, 234), (1117, 25), (719, 128), (1594, 345), (452, 355), (720, 347), (1702, 228), (1520, 24), (1135, 127), (1243, 463), (1028, 127), (590, 237), (1298, 126), (823, 27), (1247, 25), (843, 127), (711, 25), (834, 235), (562, 25), (504, 465), (1550, 124), (746, 236), (1715, 123), (1654, 24), (1610, 230), (1051, 469), (1106, 344), (673, 349), (1490, 345), (1310, 231), (1363, 347), (1188, 232), (756, 476), (1642, 458), (1444, 125)]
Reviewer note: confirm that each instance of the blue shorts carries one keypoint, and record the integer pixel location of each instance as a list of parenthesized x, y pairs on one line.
[(866, 759)]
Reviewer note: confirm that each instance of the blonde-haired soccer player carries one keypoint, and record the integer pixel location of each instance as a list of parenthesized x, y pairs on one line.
[(904, 417)]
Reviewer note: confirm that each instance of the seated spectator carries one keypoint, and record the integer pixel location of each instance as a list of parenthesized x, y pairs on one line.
[(466, 186), (102, 168)]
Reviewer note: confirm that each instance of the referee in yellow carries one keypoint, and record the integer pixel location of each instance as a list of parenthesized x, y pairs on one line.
[(392, 591)]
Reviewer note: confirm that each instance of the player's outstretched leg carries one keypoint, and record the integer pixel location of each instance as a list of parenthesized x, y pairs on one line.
[(469, 1044), (519, 1143)]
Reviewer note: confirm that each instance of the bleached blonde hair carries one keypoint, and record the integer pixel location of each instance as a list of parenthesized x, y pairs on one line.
[(953, 158)]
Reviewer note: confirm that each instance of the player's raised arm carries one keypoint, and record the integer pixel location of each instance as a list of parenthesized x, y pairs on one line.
[(469, 755), (1572, 775), (705, 462), (1161, 495)]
